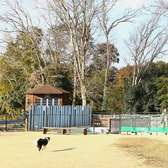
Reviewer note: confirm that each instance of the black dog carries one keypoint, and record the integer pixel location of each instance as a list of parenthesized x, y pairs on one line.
[(42, 143)]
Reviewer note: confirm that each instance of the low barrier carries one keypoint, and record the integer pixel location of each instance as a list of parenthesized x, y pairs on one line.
[(144, 123), (148, 124), (12, 122), (59, 116)]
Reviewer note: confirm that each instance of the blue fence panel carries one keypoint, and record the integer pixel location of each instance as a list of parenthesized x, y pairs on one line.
[(71, 117), (59, 116), (79, 116), (55, 120), (87, 116)]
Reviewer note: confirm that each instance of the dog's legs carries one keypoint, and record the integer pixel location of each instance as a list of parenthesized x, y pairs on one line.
[(44, 147), (39, 147)]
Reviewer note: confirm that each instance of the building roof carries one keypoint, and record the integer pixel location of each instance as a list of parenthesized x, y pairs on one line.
[(46, 89)]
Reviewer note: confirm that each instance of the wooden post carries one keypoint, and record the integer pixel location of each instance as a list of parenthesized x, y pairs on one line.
[(63, 131), (6, 123), (85, 131), (26, 124), (44, 131), (109, 125)]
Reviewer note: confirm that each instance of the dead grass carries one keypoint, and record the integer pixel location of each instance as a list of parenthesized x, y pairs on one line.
[(154, 151)]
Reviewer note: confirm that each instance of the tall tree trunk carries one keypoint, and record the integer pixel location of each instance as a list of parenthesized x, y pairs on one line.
[(74, 85), (104, 104), (105, 88), (83, 94)]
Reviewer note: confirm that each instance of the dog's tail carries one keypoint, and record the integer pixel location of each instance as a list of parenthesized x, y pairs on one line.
[(35, 142)]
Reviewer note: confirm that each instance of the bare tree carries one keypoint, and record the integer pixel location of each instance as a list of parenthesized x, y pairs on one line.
[(162, 4), (20, 22), (147, 43), (107, 25), (78, 16)]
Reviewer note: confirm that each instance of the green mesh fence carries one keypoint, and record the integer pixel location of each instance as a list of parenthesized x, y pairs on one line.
[(144, 123)]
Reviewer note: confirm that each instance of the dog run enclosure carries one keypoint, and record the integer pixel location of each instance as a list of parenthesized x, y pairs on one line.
[(144, 123), (70, 116), (76, 116), (133, 123)]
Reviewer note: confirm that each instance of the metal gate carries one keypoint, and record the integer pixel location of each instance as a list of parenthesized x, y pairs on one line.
[(114, 125)]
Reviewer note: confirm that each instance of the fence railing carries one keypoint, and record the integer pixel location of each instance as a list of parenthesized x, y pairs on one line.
[(12, 122)]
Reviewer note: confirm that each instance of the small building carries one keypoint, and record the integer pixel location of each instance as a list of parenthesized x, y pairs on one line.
[(46, 95)]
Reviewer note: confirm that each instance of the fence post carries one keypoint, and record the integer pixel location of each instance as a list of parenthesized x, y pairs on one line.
[(6, 122), (120, 123), (149, 123), (26, 124), (134, 123), (93, 120), (109, 125)]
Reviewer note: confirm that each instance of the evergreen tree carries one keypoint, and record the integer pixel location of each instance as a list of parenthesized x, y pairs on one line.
[(162, 85), (143, 97)]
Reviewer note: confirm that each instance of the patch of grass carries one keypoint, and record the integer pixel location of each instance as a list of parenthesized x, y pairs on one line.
[(154, 152)]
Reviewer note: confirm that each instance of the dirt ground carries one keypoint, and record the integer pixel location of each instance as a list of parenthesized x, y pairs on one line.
[(83, 151)]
